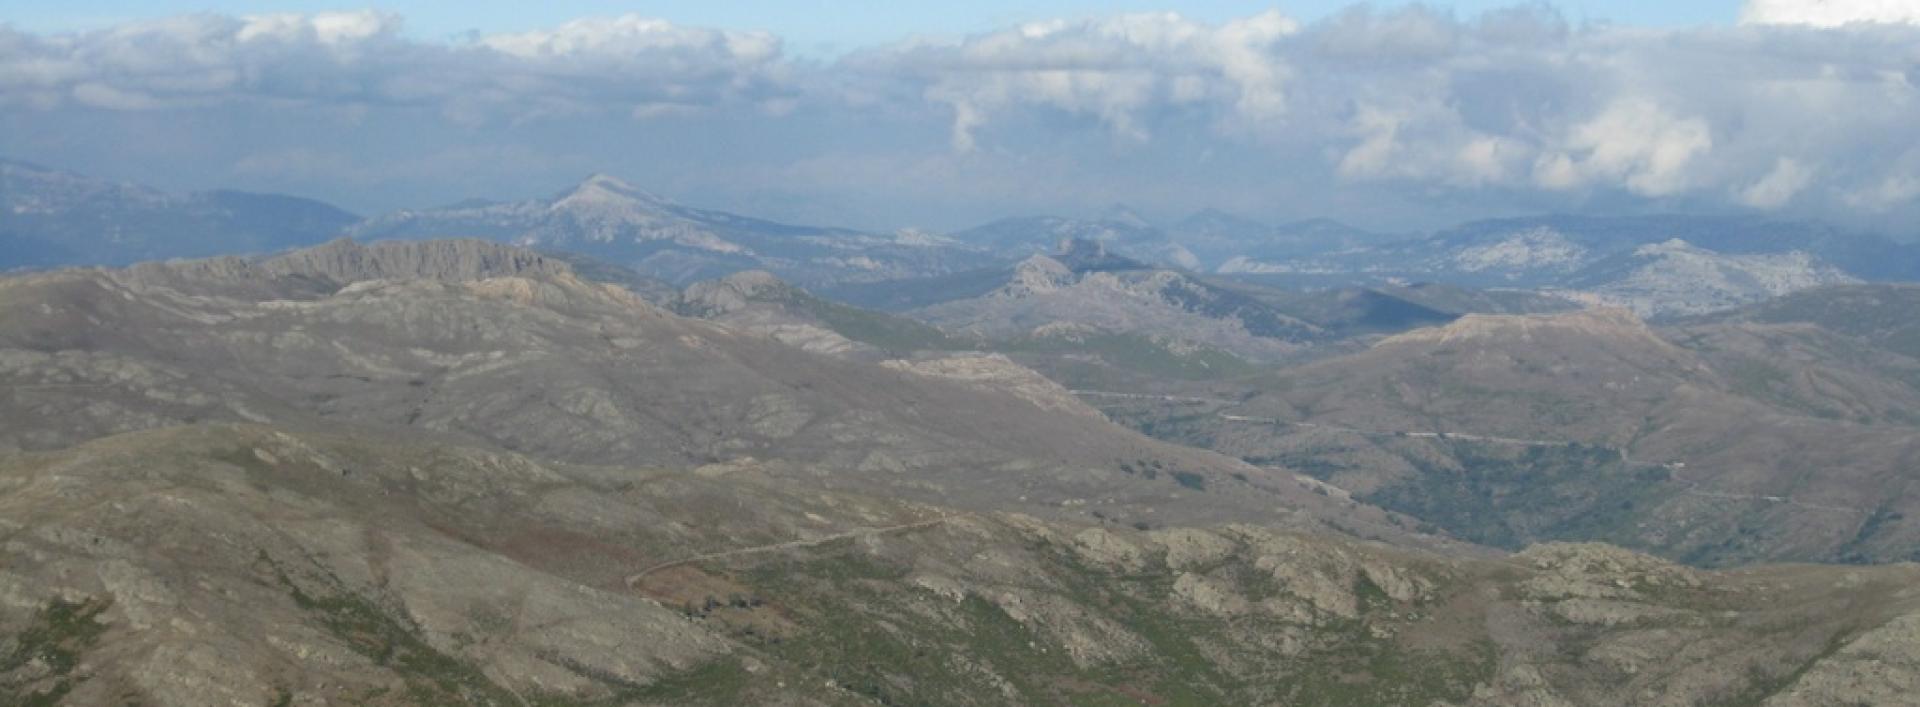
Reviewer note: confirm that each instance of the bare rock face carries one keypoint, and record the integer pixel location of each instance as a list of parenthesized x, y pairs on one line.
[(1594, 571), (1192, 547), (732, 293), (759, 302), (343, 262), (1103, 547), (1084, 286), (997, 372)]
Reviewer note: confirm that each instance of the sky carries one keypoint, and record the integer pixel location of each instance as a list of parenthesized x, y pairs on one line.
[(814, 27), (880, 115)]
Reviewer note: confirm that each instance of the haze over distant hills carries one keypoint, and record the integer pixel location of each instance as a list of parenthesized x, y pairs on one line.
[(610, 219), (1657, 266), (51, 218)]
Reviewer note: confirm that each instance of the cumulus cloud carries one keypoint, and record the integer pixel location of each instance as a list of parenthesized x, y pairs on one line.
[(623, 64), (1830, 13), (1112, 70), (1778, 187), (1895, 190), (1805, 106), (1634, 142)]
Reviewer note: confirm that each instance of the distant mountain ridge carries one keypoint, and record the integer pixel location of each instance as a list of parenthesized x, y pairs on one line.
[(610, 219), (1210, 240), (1656, 265), (51, 218), (1659, 266), (1086, 285)]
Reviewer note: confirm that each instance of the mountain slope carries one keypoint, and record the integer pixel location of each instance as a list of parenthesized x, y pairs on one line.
[(477, 342), (1880, 314), (1709, 444), (1677, 278), (758, 301), (610, 219), (250, 565), (1664, 265), (1086, 286), (51, 218)]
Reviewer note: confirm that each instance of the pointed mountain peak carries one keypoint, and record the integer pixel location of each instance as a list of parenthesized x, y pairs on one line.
[(1123, 214), (606, 189)]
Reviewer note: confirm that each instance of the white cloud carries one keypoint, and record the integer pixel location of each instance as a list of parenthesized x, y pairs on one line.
[(636, 37), (1778, 187), (1513, 109), (621, 65), (1830, 13), (1635, 143), (1112, 70), (1894, 191), (326, 28)]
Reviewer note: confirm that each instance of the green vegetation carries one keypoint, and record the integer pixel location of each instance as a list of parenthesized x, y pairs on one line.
[(433, 677), (1855, 551), (891, 333), (1139, 353), (1190, 480), (1511, 498), (863, 638), (885, 643), (721, 681), (44, 656)]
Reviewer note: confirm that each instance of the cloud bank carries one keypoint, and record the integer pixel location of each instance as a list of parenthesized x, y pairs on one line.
[(360, 59), (1805, 106), (1830, 13)]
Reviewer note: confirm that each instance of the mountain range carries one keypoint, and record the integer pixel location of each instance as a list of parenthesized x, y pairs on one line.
[(51, 218), (459, 472), (1658, 266), (615, 221)]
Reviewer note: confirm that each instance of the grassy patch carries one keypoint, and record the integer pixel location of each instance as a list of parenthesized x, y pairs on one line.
[(433, 677), (1511, 498), (44, 656), (1137, 352)]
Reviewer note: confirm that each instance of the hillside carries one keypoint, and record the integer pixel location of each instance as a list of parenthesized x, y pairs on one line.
[(1678, 278), (1710, 444), (1086, 286), (475, 342), (1655, 265), (252, 565), (758, 301), (1880, 314)]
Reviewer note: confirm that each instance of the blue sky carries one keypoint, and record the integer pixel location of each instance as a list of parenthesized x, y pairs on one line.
[(812, 27)]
